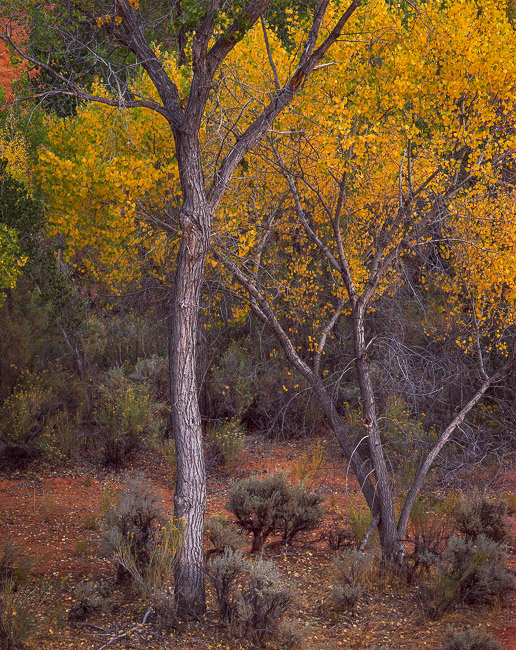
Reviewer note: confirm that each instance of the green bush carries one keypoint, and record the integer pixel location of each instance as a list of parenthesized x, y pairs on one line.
[(118, 340), (250, 381), (351, 566), (226, 439), (125, 413), (272, 506), (29, 339), (250, 596), (405, 437), (230, 387), (283, 404), (64, 431), (23, 421), (471, 639), (153, 372)]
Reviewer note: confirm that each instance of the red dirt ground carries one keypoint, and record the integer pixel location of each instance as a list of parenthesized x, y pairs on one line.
[(50, 513)]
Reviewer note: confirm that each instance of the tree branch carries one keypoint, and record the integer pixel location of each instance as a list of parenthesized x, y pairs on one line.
[(434, 452), (281, 100)]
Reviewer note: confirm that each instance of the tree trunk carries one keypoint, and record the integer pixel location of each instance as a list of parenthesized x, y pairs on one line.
[(258, 542), (203, 363), (350, 450), (392, 549), (190, 495)]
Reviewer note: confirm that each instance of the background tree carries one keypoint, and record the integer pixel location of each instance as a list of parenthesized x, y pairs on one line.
[(395, 171)]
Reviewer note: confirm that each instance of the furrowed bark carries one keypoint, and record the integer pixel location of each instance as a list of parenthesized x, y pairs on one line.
[(190, 495)]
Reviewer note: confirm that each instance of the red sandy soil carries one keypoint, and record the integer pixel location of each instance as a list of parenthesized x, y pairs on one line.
[(50, 515)]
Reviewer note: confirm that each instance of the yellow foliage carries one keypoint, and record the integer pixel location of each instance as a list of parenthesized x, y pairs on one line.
[(404, 108), (14, 151), (109, 176)]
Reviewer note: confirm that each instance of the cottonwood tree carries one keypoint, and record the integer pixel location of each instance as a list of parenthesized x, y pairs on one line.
[(203, 36), (403, 156)]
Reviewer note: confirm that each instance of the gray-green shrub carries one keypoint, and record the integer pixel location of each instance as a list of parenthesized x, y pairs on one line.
[(132, 519), (431, 526), (251, 597), (471, 639), (349, 570), (302, 513), (223, 533), (490, 579), (258, 506), (271, 506), (89, 598), (153, 577), (482, 516), (472, 571), (152, 372)]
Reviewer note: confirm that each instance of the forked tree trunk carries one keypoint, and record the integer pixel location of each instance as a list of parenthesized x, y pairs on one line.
[(190, 495), (360, 469)]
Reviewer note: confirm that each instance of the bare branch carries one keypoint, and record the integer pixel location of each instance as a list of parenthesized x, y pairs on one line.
[(432, 455), (74, 90), (269, 54), (282, 99), (324, 335), (261, 307)]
